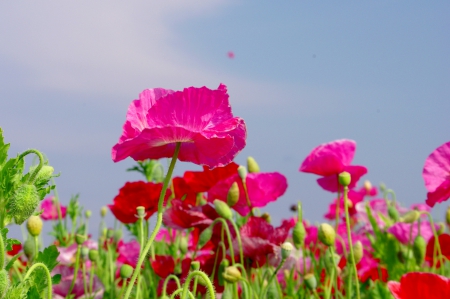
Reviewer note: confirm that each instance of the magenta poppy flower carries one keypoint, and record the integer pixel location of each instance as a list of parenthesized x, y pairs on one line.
[(330, 159), (436, 174), (67, 273), (354, 198), (401, 231), (199, 118), (50, 210), (420, 285), (128, 252), (262, 187)]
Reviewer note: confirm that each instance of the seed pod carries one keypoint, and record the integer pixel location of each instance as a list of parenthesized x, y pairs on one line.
[(93, 255), (34, 225), (80, 239), (299, 234), (231, 274), (419, 250), (24, 203), (252, 165), (326, 234), (233, 194), (141, 212), (84, 253), (286, 249), (223, 209), (126, 271), (344, 179), (310, 281)]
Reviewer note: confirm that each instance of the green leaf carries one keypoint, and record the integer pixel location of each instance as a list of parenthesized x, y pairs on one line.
[(8, 242), (3, 149), (33, 293), (11, 262), (48, 257), (56, 279)]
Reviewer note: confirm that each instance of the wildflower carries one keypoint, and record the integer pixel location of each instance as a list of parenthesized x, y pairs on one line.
[(420, 285), (402, 231), (330, 159), (199, 118), (67, 273), (133, 195), (50, 209), (436, 174)]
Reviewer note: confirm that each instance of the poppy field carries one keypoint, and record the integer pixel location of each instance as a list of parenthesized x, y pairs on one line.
[(211, 239)]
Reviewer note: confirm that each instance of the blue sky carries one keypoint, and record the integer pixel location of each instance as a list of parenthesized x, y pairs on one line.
[(304, 73)]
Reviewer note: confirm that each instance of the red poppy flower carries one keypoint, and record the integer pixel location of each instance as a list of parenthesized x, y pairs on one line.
[(260, 239), (183, 191), (444, 242), (330, 159), (436, 174), (202, 181), (420, 285), (182, 215), (199, 118), (133, 195), (262, 188)]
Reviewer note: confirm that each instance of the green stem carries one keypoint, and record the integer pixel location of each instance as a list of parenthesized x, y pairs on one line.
[(166, 281), (350, 243), (174, 294), (75, 271), (249, 203), (436, 245), (206, 280), (338, 202), (91, 278), (227, 230), (264, 290), (2, 252), (85, 286), (238, 236), (158, 222), (49, 277), (249, 288), (38, 168), (124, 285), (36, 247)]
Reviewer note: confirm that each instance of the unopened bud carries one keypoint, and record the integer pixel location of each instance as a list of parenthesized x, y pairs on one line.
[(252, 166), (233, 194), (344, 179), (204, 237), (410, 217), (93, 255), (87, 214), (231, 274), (84, 253), (80, 239), (393, 213), (299, 234), (44, 174), (29, 248), (367, 186), (103, 211), (242, 171), (24, 203), (141, 212), (195, 265), (310, 281), (286, 249), (183, 246), (419, 250), (34, 225), (126, 271), (357, 252), (326, 234), (222, 266), (223, 209)]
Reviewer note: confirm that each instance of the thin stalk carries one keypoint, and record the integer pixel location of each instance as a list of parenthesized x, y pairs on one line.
[(166, 281), (264, 290), (206, 280), (238, 237), (158, 222), (75, 271), (124, 285), (227, 230), (47, 273)]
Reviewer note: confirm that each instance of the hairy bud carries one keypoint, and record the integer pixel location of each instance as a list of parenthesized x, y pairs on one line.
[(326, 234), (299, 234), (34, 225), (44, 174), (24, 203), (4, 282), (231, 274)]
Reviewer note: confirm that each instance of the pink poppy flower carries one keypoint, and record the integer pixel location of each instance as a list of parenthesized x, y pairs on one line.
[(378, 208), (60, 290), (67, 254), (436, 174), (128, 252), (262, 188), (353, 196), (330, 159), (402, 231), (50, 211), (199, 118), (420, 285)]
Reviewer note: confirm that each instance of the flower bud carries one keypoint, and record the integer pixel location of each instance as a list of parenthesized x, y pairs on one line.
[(126, 271), (310, 281), (195, 265), (233, 194), (24, 203), (393, 213), (441, 228), (223, 209), (231, 274), (4, 282), (266, 216), (44, 174), (242, 171), (252, 166), (141, 212), (204, 237), (447, 216), (84, 253), (80, 239), (183, 246), (103, 211), (93, 255), (222, 266), (367, 186), (110, 233), (419, 250), (299, 234), (326, 234), (286, 249), (29, 248), (410, 217), (344, 179), (34, 225), (87, 214), (357, 252)]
